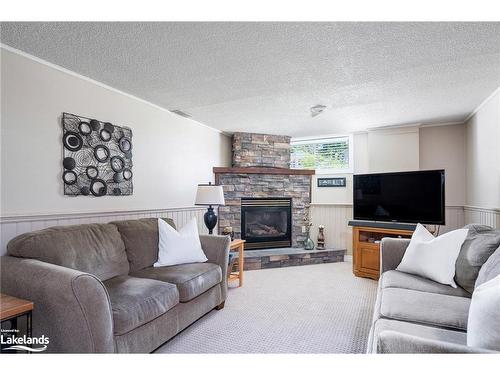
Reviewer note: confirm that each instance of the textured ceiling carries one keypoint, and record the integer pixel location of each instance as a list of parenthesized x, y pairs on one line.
[(264, 77)]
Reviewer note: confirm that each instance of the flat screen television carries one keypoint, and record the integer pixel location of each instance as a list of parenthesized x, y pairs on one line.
[(407, 197)]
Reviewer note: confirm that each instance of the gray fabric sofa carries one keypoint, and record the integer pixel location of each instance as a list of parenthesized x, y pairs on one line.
[(95, 290), (416, 315)]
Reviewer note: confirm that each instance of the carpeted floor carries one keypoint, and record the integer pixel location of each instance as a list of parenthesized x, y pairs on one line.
[(308, 309)]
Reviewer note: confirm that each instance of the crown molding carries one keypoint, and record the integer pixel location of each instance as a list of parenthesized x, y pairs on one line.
[(482, 104), (430, 125), (97, 83)]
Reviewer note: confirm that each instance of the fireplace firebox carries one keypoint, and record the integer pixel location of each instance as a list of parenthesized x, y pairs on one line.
[(266, 222)]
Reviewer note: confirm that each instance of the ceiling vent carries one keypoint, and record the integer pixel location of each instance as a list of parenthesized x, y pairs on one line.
[(180, 113), (317, 109)]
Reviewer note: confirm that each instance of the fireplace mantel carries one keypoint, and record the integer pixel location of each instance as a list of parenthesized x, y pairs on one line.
[(263, 170)]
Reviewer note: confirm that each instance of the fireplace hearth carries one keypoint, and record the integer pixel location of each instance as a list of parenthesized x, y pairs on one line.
[(266, 222)]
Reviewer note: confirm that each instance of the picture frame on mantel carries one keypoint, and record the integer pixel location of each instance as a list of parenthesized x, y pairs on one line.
[(332, 182)]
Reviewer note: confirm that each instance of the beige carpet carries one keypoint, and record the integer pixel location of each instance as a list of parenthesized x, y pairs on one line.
[(307, 309)]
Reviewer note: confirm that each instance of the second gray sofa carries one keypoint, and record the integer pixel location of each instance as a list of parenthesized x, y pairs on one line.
[(417, 315), (95, 290)]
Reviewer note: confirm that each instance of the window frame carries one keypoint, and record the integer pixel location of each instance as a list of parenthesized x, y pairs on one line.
[(326, 139)]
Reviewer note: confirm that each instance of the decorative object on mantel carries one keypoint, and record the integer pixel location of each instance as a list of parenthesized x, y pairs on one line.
[(332, 182), (321, 238), (210, 195), (97, 157), (228, 231), (308, 243)]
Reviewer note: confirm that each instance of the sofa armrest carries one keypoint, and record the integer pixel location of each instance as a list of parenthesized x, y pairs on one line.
[(401, 343), (71, 308), (216, 249), (391, 252)]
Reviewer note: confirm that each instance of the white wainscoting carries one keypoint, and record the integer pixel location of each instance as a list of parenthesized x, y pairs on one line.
[(338, 234), (11, 226), (487, 216), (334, 217)]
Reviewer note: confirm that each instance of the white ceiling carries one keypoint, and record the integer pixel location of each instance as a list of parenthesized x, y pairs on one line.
[(264, 77)]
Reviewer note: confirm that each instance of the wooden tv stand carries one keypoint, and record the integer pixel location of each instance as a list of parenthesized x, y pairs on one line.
[(366, 244)]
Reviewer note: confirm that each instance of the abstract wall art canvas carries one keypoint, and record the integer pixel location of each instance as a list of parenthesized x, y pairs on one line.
[(97, 157)]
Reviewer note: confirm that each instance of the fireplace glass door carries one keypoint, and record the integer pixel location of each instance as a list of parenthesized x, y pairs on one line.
[(266, 222)]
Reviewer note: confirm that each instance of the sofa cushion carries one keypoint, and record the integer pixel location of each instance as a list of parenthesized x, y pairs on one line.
[(426, 332), (433, 257), (94, 248), (141, 241), (179, 247), (484, 316), (398, 279), (425, 308), (192, 279), (136, 301), (490, 269), (480, 243)]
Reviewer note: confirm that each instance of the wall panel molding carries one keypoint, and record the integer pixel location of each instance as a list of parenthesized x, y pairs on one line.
[(487, 216), (333, 215), (13, 225)]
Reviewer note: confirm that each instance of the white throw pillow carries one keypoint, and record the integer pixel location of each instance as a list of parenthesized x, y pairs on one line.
[(483, 327), (433, 257), (179, 247)]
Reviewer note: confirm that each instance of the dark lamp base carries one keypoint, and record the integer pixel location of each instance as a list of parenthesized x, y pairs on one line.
[(210, 219)]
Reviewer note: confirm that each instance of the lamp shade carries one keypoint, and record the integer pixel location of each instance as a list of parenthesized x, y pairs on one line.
[(209, 195)]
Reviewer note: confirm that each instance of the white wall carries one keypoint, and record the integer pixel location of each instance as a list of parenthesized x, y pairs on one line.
[(171, 154), (443, 147), (404, 149), (483, 155), (393, 150)]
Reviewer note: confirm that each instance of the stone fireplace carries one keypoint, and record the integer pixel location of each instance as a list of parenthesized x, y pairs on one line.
[(262, 193)]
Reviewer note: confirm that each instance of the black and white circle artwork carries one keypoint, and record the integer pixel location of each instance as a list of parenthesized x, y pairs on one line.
[(117, 163), (72, 141), (69, 177), (98, 187), (85, 128), (101, 153), (92, 172), (97, 157), (105, 135)]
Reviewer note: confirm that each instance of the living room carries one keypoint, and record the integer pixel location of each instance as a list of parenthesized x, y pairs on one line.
[(250, 188)]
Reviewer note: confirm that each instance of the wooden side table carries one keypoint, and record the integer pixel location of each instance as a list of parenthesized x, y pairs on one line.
[(12, 308), (239, 246)]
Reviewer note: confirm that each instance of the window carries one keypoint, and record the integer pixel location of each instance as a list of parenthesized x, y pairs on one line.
[(326, 155)]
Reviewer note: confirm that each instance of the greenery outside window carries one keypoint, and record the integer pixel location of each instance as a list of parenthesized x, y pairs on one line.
[(332, 154)]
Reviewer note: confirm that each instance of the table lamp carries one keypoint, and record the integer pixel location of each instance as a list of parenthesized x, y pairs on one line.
[(210, 195)]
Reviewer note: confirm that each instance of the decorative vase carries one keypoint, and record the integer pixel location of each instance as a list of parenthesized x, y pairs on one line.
[(308, 243), (228, 231), (321, 238)]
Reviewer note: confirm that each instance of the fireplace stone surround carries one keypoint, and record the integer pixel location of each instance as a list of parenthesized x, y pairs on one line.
[(261, 170)]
